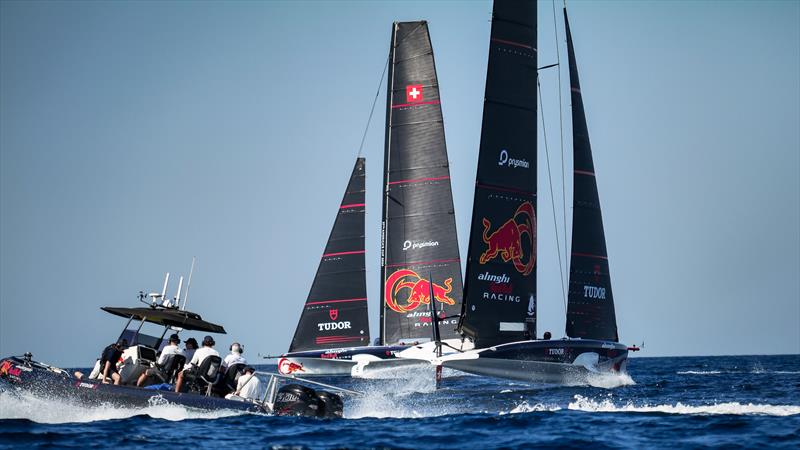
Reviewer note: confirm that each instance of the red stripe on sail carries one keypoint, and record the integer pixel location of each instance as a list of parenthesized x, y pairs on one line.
[(419, 180), (324, 302), (505, 189), (334, 339), (354, 252), (584, 172), (417, 263), (352, 205), (587, 255), (403, 105), (516, 44)]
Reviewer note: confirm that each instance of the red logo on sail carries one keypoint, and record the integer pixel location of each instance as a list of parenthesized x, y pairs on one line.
[(414, 93), (333, 313), (419, 291), (507, 241)]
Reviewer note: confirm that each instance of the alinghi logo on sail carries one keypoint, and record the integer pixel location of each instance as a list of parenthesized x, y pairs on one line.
[(500, 279)]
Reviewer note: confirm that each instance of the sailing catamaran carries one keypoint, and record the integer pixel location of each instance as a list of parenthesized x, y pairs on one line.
[(499, 310), (418, 235)]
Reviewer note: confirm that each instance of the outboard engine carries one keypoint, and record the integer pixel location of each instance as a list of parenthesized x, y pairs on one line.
[(331, 405), (296, 400)]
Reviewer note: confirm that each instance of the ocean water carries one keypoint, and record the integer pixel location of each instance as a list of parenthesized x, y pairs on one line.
[(690, 402)]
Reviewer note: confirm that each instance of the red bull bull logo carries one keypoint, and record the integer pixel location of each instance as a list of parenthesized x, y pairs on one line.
[(417, 291), (507, 240), (288, 367)]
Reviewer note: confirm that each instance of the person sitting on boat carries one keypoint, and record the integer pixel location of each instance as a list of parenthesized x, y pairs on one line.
[(170, 349), (547, 336), (235, 356), (109, 359), (248, 386), (190, 346), (190, 371)]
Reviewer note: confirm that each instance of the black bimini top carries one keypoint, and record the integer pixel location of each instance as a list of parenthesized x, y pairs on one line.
[(167, 317)]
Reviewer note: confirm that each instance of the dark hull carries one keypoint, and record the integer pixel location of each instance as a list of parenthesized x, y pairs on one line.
[(565, 361), (43, 381), (334, 362)]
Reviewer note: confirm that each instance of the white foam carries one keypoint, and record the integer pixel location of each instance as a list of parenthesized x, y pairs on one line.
[(581, 403), (608, 380), (54, 411), (754, 371), (525, 407), (699, 372)]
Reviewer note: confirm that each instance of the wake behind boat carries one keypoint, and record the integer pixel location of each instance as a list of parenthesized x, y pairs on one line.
[(208, 390)]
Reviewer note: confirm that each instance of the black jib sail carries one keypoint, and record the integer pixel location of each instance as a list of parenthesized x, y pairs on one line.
[(418, 230), (500, 302), (335, 313), (590, 308)]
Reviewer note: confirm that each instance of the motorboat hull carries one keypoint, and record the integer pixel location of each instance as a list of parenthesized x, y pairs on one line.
[(50, 382), (565, 361)]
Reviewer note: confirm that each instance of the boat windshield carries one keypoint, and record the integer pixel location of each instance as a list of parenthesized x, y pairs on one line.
[(147, 334)]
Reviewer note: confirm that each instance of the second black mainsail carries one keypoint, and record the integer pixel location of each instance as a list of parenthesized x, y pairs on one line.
[(335, 313), (500, 303), (418, 236), (590, 305)]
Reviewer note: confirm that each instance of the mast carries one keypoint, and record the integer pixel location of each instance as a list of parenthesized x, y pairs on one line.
[(590, 304), (335, 313), (500, 291), (418, 232)]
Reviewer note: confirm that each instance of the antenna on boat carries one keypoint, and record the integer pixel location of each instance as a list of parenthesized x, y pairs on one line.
[(155, 296), (188, 285), (177, 299)]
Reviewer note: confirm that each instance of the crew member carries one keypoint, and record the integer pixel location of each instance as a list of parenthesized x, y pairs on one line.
[(170, 349), (248, 386), (235, 356), (190, 346), (190, 371), (546, 336), (109, 358)]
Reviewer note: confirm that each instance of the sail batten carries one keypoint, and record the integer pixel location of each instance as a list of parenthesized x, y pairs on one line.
[(500, 280), (418, 236), (590, 301), (335, 311)]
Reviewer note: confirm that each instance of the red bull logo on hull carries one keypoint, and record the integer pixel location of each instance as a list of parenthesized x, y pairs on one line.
[(288, 367), (418, 291), (507, 240)]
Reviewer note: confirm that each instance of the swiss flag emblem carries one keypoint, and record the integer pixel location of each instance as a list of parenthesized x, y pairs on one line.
[(333, 313), (414, 93)]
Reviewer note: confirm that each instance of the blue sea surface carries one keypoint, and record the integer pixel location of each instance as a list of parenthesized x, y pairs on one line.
[(685, 402)]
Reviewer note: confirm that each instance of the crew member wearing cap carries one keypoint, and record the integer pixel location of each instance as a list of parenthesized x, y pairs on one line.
[(170, 349), (197, 360), (248, 386), (108, 361)]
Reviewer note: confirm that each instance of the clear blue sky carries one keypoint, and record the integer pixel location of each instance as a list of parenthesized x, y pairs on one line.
[(134, 136)]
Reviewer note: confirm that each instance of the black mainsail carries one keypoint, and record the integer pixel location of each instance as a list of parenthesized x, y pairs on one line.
[(335, 313), (500, 301), (418, 236), (590, 306)]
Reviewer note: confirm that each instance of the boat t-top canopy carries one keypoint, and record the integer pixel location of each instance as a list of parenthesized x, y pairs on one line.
[(167, 317)]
